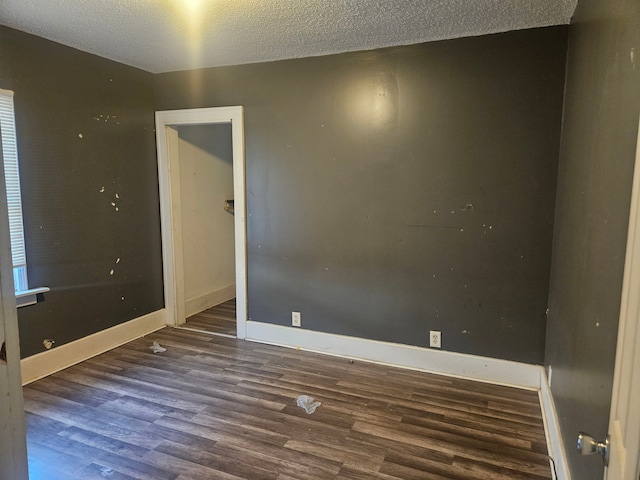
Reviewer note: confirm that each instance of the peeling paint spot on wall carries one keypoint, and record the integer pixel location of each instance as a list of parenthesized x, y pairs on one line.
[(118, 260), (101, 190), (111, 272), (80, 135), (3, 353), (48, 343)]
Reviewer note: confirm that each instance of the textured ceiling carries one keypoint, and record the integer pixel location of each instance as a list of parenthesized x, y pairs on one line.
[(168, 35)]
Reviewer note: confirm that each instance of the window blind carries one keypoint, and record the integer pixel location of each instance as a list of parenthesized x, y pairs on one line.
[(12, 178)]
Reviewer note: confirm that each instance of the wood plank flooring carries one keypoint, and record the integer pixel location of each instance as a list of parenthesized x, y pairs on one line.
[(218, 319), (212, 407)]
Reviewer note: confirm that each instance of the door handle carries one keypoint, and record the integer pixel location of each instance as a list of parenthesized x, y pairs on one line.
[(587, 445)]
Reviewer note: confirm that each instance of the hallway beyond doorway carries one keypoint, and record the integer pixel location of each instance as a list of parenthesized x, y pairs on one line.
[(220, 319)]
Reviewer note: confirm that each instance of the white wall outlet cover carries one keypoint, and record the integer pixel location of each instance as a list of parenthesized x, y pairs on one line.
[(295, 319), (435, 339)]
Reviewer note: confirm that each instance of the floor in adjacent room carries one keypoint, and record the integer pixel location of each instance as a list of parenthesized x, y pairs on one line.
[(213, 407), (220, 319)]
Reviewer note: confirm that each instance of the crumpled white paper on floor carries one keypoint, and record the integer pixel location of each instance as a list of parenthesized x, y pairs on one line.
[(157, 348), (307, 403)]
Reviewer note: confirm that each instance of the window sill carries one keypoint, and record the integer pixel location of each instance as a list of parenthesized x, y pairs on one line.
[(29, 297)]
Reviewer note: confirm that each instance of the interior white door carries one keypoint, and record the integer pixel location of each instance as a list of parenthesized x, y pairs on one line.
[(624, 421)]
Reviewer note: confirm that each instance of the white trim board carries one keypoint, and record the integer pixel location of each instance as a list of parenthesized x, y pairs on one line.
[(210, 299), (45, 363), (484, 369)]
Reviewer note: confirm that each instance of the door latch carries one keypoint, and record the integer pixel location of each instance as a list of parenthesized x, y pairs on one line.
[(587, 445)]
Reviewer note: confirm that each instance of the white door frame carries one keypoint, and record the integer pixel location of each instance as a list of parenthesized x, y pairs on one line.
[(624, 420), (171, 214), (13, 453)]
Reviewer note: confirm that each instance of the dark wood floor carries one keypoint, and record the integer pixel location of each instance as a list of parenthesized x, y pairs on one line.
[(218, 319), (212, 407)]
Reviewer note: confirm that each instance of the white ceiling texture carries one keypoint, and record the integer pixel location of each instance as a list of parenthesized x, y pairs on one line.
[(169, 35)]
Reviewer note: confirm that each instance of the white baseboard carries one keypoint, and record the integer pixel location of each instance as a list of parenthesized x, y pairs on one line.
[(58, 358), (210, 299), (474, 367), (555, 445)]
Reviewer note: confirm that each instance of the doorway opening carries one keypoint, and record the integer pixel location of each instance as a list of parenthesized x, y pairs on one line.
[(203, 229)]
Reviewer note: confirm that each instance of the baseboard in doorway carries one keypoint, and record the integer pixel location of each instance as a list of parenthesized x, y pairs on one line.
[(555, 444), (210, 299)]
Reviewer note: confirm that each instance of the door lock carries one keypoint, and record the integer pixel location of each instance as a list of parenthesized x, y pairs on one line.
[(587, 445)]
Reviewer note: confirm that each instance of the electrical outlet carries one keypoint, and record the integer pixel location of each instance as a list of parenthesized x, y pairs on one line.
[(435, 339), (295, 319)]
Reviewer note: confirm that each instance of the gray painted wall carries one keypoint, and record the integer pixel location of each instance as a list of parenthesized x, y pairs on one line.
[(400, 190), (594, 190), (74, 235)]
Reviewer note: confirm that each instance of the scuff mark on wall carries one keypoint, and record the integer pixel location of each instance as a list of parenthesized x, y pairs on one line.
[(3, 353)]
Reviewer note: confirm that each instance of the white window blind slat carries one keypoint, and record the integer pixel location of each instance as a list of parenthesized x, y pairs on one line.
[(12, 179)]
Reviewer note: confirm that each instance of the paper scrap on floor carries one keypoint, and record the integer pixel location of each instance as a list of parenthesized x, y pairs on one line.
[(307, 403)]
